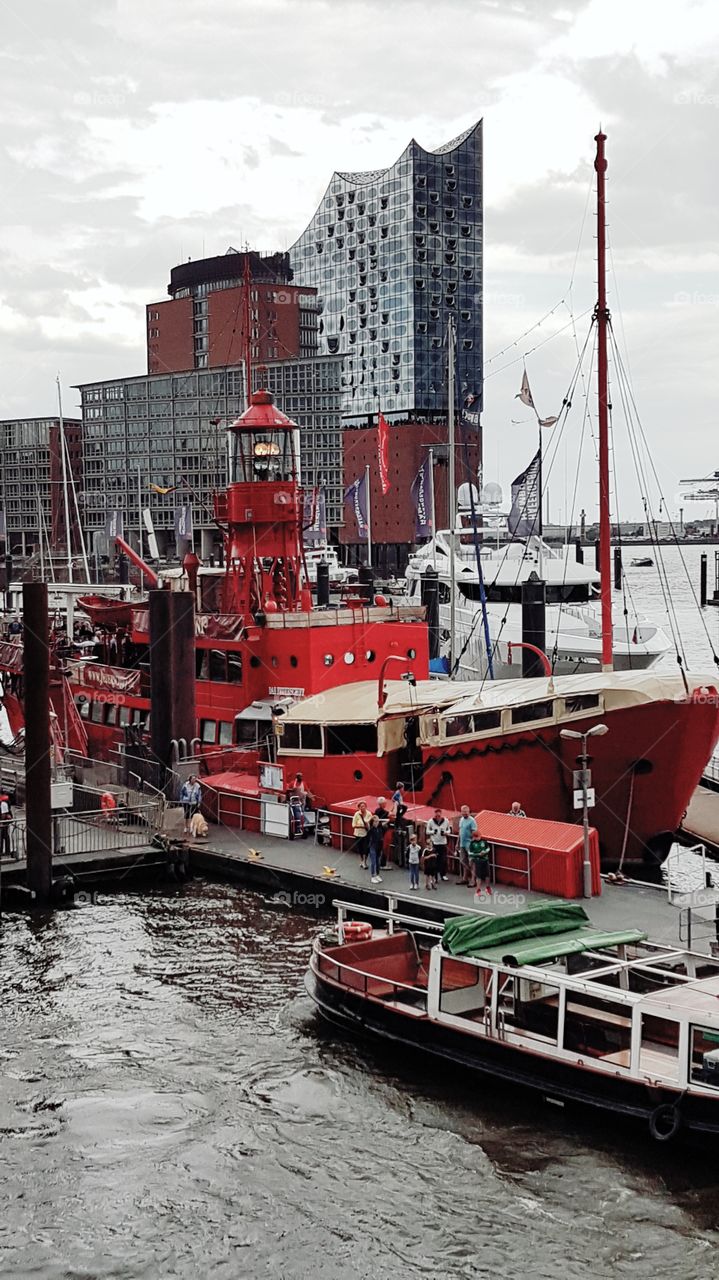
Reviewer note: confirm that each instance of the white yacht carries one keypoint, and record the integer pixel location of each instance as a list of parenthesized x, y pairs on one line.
[(573, 615), (339, 573)]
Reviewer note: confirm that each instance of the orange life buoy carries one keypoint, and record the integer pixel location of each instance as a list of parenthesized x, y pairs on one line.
[(357, 931)]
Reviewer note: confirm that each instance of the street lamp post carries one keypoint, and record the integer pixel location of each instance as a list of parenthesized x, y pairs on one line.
[(596, 731)]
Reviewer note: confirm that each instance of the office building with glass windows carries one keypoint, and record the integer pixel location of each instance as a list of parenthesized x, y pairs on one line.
[(170, 432), (393, 253)]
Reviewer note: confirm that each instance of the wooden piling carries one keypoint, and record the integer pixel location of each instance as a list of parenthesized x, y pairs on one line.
[(38, 764)]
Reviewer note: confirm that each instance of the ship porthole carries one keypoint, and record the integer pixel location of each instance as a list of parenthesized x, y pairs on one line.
[(370, 655), (328, 659), (254, 661), (349, 657), (411, 653), (358, 775), (293, 660), (642, 767)]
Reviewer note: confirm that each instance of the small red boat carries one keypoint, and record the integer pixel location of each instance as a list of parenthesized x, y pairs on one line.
[(105, 612)]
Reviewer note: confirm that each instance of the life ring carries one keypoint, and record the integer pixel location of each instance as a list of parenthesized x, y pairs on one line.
[(665, 1122), (357, 931)]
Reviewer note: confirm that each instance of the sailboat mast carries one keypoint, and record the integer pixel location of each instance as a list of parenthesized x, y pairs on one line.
[(63, 461), (602, 318), (452, 484)]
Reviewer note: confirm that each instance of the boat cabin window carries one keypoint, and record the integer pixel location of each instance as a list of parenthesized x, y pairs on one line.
[(111, 717), (511, 593), (301, 737), (704, 1059), (225, 733), (597, 1028), (208, 731), (462, 988), (659, 1047), (527, 1007), (83, 705), (217, 665), (581, 702), (475, 722), (532, 711), (346, 739), (125, 717), (96, 710)]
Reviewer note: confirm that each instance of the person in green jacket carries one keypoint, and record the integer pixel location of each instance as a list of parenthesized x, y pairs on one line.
[(479, 852)]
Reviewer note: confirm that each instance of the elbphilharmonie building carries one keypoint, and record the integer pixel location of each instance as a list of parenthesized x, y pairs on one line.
[(393, 254)]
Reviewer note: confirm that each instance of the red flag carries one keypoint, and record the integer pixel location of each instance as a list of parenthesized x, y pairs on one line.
[(383, 453)]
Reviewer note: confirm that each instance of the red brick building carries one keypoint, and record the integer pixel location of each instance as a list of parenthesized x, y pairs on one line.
[(210, 320), (392, 515)]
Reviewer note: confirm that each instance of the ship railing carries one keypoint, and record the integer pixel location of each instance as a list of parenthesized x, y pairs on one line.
[(394, 915), (360, 980)]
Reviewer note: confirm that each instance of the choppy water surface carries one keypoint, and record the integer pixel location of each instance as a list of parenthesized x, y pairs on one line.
[(172, 1107)]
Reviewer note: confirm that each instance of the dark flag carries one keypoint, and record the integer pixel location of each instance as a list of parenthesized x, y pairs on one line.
[(356, 497), (421, 492), (314, 530), (525, 516), (183, 522)]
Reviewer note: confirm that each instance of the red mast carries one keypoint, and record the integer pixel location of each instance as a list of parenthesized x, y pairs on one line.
[(601, 315), (247, 284)]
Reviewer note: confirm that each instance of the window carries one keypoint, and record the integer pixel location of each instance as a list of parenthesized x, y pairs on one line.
[(301, 737), (346, 739), (96, 710), (704, 1056), (125, 717), (476, 722), (234, 668), (225, 733), (581, 702), (659, 1049), (598, 1028), (83, 706), (527, 1008), (461, 990), (111, 717), (208, 731), (532, 711), (218, 665)]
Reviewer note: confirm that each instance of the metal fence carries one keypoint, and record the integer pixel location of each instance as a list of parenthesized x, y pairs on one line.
[(95, 831)]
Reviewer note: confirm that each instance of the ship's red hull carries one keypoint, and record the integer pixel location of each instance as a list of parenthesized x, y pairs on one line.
[(644, 772)]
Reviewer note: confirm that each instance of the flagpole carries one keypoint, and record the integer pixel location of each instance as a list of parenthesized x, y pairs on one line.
[(452, 489), (369, 517), (139, 511), (432, 506)]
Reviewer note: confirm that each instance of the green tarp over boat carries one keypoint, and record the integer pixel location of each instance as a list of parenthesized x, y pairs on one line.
[(530, 937)]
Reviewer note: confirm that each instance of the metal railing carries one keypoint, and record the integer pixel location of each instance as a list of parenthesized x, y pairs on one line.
[(97, 831)]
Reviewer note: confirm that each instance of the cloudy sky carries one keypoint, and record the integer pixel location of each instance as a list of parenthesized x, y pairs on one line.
[(136, 135)]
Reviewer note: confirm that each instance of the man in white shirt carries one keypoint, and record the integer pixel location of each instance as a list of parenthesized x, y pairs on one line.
[(438, 829), (516, 810)]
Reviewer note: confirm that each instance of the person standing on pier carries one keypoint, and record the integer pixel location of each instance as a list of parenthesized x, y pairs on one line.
[(360, 831), (5, 824), (376, 843), (414, 853), (438, 829), (190, 799), (467, 832)]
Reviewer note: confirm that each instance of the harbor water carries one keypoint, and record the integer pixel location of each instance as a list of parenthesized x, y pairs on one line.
[(172, 1106)]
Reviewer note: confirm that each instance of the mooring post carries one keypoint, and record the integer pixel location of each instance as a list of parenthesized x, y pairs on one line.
[(617, 568), (172, 675), (430, 600), (38, 765), (703, 580), (534, 596)]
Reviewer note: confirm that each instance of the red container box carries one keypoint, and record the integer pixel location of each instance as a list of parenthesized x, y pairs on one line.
[(543, 856)]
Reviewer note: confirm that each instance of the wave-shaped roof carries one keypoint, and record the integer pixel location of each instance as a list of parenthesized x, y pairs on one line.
[(361, 177)]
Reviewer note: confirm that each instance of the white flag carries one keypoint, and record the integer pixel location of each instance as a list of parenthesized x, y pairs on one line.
[(525, 394)]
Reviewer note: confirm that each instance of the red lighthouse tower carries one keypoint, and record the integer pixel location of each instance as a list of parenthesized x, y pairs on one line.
[(262, 511)]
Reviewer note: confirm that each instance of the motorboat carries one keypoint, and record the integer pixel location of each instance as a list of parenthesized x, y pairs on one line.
[(605, 1020)]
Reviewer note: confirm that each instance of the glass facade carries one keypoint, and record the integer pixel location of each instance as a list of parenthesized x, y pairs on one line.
[(394, 253), (170, 430)]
